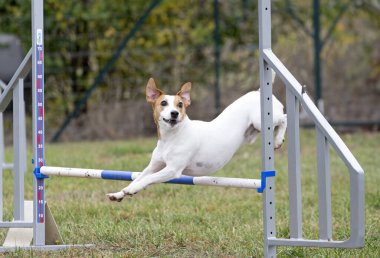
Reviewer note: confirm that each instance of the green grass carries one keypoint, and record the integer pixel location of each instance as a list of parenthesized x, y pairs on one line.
[(196, 221)]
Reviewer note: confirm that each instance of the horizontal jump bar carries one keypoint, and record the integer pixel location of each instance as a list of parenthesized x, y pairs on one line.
[(130, 176)]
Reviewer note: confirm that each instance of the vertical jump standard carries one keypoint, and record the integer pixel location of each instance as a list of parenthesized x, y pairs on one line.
[(38, 121)]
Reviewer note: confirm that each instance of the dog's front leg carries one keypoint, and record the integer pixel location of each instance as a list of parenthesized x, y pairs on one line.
[(153, 166), (166, 174), (156, 164), (163, 175)]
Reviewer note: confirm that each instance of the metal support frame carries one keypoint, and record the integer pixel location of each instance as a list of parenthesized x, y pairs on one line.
[(356, 173), (325, 136)]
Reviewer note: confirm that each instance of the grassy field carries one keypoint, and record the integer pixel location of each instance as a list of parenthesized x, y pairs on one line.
[(196, 221)]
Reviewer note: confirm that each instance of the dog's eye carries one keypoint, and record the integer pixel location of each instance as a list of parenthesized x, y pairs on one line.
[(164, 103), (180, 104)]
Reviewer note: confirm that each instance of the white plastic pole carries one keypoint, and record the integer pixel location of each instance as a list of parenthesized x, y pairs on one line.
[(129, 176)]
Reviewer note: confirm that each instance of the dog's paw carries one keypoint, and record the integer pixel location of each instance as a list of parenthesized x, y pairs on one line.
[(132, 189), (129, 192), (278, 144), (118, 197)]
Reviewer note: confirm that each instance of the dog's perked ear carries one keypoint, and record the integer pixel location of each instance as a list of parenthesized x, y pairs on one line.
[(152, 92), (184, 93)]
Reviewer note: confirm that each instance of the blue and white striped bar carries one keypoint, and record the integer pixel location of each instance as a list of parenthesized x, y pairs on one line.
[(130, 176)]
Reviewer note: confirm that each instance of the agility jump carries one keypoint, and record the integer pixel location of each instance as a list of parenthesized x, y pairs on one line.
[(295, 96)]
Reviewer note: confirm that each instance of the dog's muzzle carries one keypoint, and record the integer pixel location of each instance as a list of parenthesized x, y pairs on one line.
[(173, 118), (170, 121)]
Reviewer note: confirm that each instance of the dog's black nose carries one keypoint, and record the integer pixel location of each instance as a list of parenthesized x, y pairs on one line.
[(174, 114)]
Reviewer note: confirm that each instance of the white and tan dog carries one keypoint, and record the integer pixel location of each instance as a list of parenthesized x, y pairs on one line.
[(197, 148)]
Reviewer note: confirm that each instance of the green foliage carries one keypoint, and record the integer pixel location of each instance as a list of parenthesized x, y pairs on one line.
[(80, 36), (176, 45)]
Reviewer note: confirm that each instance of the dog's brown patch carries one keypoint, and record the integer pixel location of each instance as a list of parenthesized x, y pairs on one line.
[(178, 102), (157, 108)]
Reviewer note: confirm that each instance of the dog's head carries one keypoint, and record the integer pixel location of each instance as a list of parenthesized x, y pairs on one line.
[(168, 110)]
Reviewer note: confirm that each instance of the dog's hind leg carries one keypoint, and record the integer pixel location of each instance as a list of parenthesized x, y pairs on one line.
[(251, 134), (279, 137)]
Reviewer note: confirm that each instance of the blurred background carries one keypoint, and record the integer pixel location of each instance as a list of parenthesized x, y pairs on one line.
[(99, 56)]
